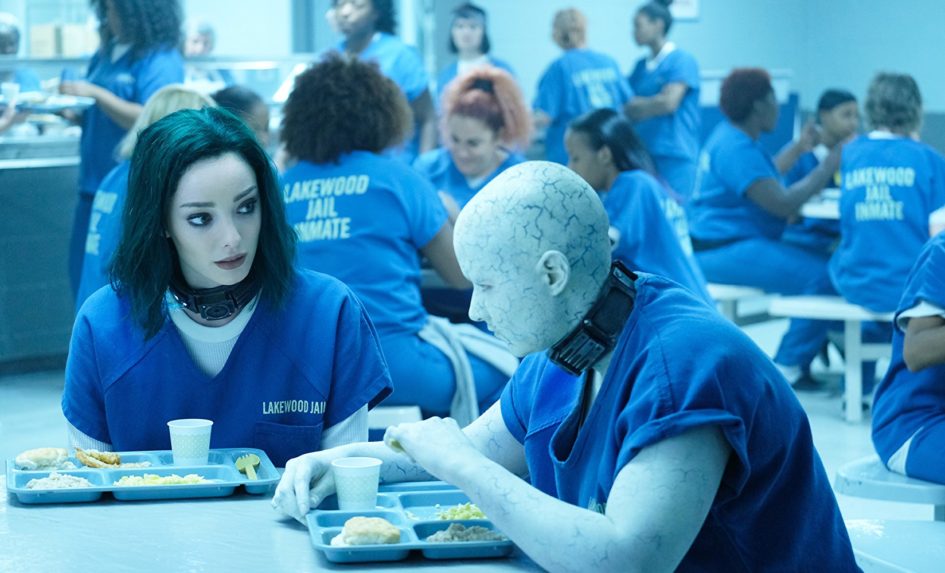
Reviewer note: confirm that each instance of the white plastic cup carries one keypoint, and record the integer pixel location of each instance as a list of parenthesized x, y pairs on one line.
[(356, 482), (190, 441)]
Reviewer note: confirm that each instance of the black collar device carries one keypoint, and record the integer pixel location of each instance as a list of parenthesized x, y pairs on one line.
[(597, 333), (215, 303)]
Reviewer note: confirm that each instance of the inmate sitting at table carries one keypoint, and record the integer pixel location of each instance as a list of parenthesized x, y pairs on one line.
[(643, 454), (206, 315)]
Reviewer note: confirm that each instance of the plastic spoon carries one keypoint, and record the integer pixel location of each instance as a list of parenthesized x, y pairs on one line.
[(247, 464)]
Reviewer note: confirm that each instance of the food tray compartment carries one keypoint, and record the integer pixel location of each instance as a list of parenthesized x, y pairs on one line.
[(412, 508), (18, 481), (425, 505), (416, 487), (216, 458), (221, 467), (323, 526), (222, 482), (338, 518), (384, 501), (459, 549)]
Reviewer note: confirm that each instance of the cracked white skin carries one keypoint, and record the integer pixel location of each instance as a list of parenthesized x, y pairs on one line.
[(534, 244)]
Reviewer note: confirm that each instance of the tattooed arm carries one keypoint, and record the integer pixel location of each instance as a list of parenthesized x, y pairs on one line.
[(308, 480), (655, 509)]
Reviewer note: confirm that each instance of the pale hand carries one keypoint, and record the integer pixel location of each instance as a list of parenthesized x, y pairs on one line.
[(306, 482), (436, 444)]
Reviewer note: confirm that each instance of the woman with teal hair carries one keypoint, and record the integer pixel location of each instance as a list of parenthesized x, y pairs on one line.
[(209, 318)]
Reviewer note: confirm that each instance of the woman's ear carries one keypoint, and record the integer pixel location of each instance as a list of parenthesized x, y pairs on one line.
[(555, 270), (605, 155)]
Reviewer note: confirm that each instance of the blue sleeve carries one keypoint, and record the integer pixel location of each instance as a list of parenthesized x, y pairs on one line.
[(160, 68), (550, 97), (412, 75), (684, 70), (938, 182), (518, 394), (664, 411), (83, 399), (360, 373), (623, 87), (926, 281), (425, 210), (740, 166), (798, 171), (680, 422)]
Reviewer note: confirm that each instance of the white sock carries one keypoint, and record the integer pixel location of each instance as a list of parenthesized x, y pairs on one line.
[(790, 373)]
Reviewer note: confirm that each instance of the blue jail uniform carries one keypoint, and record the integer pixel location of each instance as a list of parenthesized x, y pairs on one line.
[(738, 242), (364, 221), (663, 380), (673, 139), (912, 404), (891, 185), (440, 170), (577, 82), (646, 239), (134, 78), (402, 64), (294, 372), (104, 231), (449, 73)]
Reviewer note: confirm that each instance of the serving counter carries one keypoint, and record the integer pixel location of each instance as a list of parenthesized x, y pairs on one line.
[(38, 181)]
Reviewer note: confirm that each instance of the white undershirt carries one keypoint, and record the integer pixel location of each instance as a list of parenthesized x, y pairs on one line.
[(463, 66), (210, 347), (653, 62), (922, 310), (119, 50)]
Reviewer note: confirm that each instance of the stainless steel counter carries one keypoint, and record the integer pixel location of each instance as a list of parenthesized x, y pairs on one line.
[(38, 181)]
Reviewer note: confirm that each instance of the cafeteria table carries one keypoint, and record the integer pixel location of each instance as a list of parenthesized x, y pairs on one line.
[(822, 206), (237, 533)]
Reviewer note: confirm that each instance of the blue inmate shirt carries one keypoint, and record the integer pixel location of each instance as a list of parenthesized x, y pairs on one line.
[(774, 509), (890, 187), (293, 372), (364, 221)]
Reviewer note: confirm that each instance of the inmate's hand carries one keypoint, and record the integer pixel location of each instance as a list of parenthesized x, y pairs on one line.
[(306, 482), (436, 444)]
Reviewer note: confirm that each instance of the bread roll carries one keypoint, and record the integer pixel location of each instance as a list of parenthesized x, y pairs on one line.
[(367, 531), (42, 459)]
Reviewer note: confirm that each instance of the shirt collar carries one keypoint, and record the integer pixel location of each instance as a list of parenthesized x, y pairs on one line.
[(654, 62)]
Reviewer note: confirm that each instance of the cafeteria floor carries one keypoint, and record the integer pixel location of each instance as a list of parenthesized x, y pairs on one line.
[(30, 417)]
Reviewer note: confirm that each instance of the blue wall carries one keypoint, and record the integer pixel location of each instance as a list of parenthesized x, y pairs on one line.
[(825, 43)]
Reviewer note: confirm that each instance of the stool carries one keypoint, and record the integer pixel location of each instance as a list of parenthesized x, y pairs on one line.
[(855, 351), (728, 297), (869, 478), (881, 545)]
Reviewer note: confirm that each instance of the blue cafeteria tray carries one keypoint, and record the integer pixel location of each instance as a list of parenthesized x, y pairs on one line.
[(412, 508), (220, 468)]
